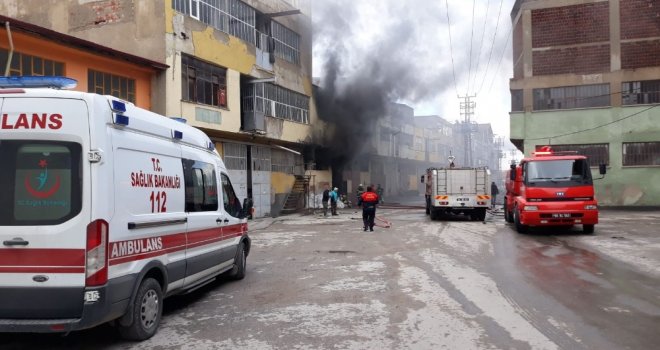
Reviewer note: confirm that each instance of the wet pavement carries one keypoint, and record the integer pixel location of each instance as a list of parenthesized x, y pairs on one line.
[(323, 283)]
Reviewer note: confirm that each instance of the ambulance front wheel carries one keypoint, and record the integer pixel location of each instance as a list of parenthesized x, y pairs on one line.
[(147, 311), (240, 263)]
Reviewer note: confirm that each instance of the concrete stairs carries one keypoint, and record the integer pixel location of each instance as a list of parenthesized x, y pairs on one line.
[(295, 200)]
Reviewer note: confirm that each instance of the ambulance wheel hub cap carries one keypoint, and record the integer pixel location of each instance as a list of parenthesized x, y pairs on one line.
[(149, 309)]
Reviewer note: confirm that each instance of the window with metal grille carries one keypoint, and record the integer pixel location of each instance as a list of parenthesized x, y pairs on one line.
[(287, 43), (276, 101), (286, 162), (517, 101), (230, 16), (110, 84), (641, 153), (569, 97), (235, 156), (203, 82), (22, 64), (596, 153), (640, 92)]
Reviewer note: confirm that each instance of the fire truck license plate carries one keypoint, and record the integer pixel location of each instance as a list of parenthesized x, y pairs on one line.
[(462, 199), (561, 215)]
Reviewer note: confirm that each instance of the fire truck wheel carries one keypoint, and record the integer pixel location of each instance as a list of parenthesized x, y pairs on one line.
[(482, 214), (147, 311), (434, 214), (589, 229), (240, 263), (508, 215), (516, 218)]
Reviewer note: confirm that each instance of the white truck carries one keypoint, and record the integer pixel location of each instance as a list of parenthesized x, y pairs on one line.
[(455, 190)]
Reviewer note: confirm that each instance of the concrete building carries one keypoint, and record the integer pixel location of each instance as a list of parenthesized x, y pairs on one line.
[(238, 70), (587, 78)]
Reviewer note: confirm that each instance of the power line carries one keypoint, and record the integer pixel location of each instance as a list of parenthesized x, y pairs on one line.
[(492, 46), (451, 51), (467, 92), (595, 127), (508, 37), (483, 35)]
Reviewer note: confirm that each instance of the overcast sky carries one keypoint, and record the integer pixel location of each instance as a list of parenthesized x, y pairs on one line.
[(410, 40)]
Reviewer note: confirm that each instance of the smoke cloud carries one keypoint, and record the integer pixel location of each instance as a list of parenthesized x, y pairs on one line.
[(371, 53)]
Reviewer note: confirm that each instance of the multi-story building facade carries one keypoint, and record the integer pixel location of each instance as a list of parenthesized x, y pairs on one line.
[(238, 70), (587, 78)]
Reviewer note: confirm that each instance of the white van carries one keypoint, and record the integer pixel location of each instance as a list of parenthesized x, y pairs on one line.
[(106, 209)]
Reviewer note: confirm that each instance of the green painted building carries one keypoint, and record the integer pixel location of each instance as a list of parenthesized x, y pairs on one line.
[(587, 79)]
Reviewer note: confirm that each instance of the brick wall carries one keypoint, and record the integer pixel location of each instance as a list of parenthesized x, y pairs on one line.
[(570, 25), (640, 18), (517, 45), (576, 60), (640, 54)]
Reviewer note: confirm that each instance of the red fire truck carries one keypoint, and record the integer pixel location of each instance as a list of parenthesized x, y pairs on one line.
[(551, 189)]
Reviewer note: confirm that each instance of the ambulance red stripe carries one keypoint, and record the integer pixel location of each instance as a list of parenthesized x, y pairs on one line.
[(32, 257)]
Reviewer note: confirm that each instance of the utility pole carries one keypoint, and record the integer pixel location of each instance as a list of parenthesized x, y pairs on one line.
[(467, 111)]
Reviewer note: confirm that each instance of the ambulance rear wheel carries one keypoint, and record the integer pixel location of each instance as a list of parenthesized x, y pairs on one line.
[(516, 219), (588, 229), (147, 311)]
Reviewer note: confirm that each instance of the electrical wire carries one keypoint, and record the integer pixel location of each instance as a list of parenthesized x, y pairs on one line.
[(508, 38), (467, 92), (492, 46), (451, 50), (483, 35), (595, 127)]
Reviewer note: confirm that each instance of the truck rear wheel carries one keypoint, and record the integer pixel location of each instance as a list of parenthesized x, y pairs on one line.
[(434, 214), (588, 229), (516, 219)]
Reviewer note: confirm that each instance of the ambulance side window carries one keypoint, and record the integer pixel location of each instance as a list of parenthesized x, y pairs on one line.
[(201, 189), (231, 202)]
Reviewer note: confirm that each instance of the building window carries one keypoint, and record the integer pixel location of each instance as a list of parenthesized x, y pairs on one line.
[(230, 16), (283, 162), (110, 84), (22, 64), (641, 153), (569, 97), (517, 101), (235, 156), (202, 82), (287, 43), (276, 101), (596, 153), (640, 92)]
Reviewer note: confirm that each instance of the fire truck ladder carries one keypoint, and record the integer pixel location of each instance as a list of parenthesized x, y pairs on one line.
[(442, 181), (480, 181)]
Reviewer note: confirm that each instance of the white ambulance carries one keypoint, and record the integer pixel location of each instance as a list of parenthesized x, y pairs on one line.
[(106, 209)]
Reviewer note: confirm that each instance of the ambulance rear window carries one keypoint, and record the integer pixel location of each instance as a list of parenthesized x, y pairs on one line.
[(41, 182)]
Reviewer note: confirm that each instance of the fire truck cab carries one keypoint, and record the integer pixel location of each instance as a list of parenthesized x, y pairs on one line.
[(551, 189)]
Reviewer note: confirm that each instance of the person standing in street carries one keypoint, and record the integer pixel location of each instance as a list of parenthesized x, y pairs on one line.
[(368, 201), (334, 197), (379, 192), (494, 191), (325, 199)]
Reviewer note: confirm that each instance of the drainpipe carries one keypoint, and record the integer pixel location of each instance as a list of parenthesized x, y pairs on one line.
[(11, 49)]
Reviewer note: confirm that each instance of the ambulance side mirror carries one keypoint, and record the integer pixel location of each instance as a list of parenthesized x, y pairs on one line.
[(422, 179), (246, 209)]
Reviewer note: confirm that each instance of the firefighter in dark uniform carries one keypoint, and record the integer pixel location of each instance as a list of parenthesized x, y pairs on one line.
[(368, 201)]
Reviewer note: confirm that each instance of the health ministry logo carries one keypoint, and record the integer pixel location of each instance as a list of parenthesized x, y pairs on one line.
[(41, 181)]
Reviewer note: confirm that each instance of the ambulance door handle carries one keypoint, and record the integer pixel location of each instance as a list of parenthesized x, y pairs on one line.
[(16, 241), (219, 220)]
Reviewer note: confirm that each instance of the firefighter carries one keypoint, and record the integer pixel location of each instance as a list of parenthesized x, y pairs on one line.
[(368, 201)]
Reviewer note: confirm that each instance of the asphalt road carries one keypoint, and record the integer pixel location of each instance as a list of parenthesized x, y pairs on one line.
[(317, 283)]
